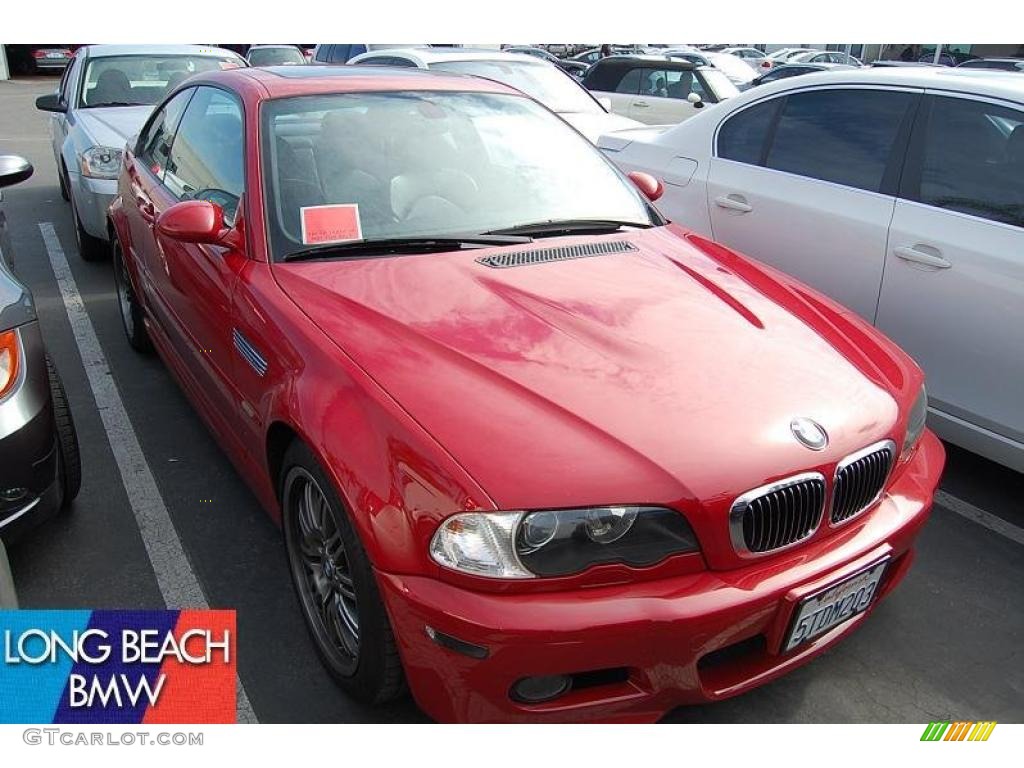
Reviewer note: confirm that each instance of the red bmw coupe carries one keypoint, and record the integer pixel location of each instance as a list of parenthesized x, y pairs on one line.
[(537, 453)]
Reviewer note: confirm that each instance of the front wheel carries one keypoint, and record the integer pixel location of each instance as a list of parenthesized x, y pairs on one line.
[(128, 303), (89, 248), (69, 458), (335, 583)]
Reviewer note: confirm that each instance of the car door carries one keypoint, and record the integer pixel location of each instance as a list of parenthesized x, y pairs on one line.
[(193, 282), (59, 120), (806, 183), (953, 292), (663, 96), (624, 92)]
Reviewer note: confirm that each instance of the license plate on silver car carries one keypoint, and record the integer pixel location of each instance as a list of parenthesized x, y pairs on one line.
[(818, 613)]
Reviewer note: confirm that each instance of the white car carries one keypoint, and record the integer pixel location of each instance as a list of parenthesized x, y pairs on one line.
[(750, 55), (104, 97), (657, 90), (738, 70), (544, 82), (898, 192), (825, 57), (781, 56)]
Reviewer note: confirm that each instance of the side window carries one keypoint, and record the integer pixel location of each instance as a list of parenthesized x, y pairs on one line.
[(207, 157), (154, 143), (845, 136), (680, 83), (323, 53), (654, 82), (742, 136), (387, 61), (630, 82), (972, 160)]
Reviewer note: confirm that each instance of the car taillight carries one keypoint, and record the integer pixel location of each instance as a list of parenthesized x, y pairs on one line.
[(10, 358), (766, 64), (39, 54)]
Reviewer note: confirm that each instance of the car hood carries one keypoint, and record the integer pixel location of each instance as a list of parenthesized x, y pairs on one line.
[(112, 126), (666, 374), (593, 124)]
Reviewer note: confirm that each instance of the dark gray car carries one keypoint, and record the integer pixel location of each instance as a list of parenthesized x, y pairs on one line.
[(40, 469)]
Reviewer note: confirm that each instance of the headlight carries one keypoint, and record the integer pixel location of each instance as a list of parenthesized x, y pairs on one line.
[(9, 361), (100, 162), (915, 422), (520, 545)]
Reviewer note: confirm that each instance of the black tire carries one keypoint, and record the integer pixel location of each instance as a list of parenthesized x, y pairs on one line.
[(89, 248), (128, 303), (371, 670), (62, 177), (70, 459)]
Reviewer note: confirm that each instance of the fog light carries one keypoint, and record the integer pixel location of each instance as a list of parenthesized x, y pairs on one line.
[(534, 690), (13, 494)]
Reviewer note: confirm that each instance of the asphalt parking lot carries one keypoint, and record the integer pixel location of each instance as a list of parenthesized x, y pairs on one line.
[(946, 645)]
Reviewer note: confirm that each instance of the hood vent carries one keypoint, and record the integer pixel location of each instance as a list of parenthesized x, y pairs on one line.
[(559, 253)]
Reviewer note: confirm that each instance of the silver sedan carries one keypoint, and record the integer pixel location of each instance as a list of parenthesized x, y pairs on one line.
[(104, 97)]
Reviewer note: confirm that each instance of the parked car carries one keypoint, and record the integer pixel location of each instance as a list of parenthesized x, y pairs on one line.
[(49, 59), (657, 89), (342, 53), (591, 55), (275, 56), (553, 88), (781, 56), (8, 595), (825, 57), (792, 70), (103, 98), (452, 298), (1008, 65), (752, 56), (738, 70), (40, 469), (575, 68), (915, 224)]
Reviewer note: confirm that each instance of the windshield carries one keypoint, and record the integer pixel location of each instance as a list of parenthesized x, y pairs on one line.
[(546, 83), (372, 166), (271, 57), (143, 80)]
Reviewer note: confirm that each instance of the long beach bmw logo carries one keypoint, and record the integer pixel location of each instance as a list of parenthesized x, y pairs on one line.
[(810, 433)]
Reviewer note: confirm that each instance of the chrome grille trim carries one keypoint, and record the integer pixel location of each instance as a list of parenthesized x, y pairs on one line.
[(508, 259), (776, 516), (859, 481)]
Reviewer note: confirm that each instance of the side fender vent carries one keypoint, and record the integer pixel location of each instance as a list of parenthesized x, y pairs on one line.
[(559, 253)]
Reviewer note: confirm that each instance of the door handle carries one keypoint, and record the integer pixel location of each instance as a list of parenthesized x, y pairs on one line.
[(146, 210), (641, 104), (733, 203), (919, 256)]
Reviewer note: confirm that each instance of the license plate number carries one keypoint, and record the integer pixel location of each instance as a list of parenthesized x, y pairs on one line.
[(55, 55), (818, 613)]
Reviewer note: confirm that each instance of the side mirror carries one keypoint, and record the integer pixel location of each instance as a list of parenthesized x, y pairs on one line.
[(605, 103), (651, 187), (13, 170), (50, 102), (193, 221), (695, 99)]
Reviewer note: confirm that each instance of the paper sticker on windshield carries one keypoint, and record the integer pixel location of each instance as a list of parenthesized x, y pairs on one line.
[(330, 224)]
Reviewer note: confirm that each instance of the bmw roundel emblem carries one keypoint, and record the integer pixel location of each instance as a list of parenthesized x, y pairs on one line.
[(809, 432)]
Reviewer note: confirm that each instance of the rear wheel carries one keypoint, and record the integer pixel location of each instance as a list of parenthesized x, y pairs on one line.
[(69, 458), (128, 303), (335, 584)]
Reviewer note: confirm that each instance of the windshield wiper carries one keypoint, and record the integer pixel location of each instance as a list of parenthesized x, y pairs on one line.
[(556, 227), (392, 245), (118, 104)]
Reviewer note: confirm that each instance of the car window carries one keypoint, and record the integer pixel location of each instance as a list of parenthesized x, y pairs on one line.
[(144, 79), (742, 136), (549, 85), (206, 159), (972, 160), (844, 136), (387, 61), (62, 90), (154, 143), (630, 82)]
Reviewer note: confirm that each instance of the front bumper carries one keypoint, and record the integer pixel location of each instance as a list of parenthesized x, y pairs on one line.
[(29, 485), (650, 646), (92, 199)]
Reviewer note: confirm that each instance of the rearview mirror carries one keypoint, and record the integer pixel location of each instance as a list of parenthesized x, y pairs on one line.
[(193, 221), (605, 103), (13, 170), (651, 187), (50, 102), (695, 99)]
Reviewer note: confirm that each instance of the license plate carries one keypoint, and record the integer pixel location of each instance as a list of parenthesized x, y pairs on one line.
[(818, 613), (55, 55)]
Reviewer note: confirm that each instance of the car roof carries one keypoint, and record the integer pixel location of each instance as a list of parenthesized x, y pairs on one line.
[(273, 45), (993, 83), (436, 55), (100, 51), (264, 83), (626, 59)]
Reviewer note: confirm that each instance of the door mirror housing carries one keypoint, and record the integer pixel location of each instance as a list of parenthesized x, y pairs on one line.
[(195, 221), (651, 187), (14, 170), (695, 99), (51, 102)]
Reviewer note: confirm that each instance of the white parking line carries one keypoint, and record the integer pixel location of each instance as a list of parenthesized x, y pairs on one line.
[(980, 516), (174, 575)]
